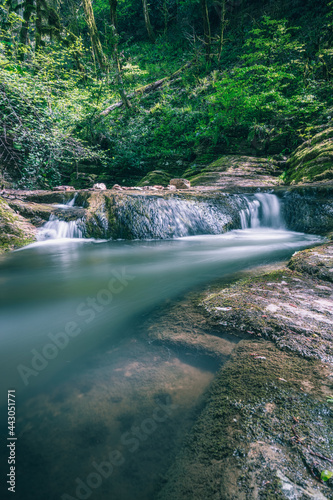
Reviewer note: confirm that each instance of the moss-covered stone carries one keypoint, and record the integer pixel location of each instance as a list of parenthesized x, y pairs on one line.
[(316, 262), (36, 213), (235, 171), (15, 231), (313, 160), (155, 177), (266, 430), (262, 434)]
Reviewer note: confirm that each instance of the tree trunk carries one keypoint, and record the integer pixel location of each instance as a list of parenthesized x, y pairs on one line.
[(206, 27), (223, 26), (93, 33), (113, 12), (38, 25), (147, 21), (28, 9), (146, 89)]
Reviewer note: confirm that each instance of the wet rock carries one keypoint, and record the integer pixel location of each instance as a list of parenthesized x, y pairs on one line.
[(259, 432), (308, 209), (296, 313), (180, 183), (317, 262), (36, 213)]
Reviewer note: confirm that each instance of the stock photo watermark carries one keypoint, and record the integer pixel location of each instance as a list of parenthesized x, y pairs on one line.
[(88, 310), (131, 441)]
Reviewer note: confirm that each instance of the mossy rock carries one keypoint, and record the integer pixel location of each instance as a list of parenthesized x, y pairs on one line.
[(235, 170), (15, 231), (313, 160), (155, 177)]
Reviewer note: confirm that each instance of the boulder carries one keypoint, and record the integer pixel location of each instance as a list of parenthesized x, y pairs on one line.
[(180, 183), (99, 186), (155, 177), (117, 187), (171, 187)]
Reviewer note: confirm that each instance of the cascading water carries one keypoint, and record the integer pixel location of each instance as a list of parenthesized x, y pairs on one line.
[(58, 229), (263, 210), (152, 217)]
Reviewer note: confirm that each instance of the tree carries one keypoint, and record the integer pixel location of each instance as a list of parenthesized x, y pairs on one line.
[(149, 28), (206, 27), (113, 12), (223, 25), (93, 33), (115, 54), (27, 13)]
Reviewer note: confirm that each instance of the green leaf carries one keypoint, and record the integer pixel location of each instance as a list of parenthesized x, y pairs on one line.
[(326, 475)]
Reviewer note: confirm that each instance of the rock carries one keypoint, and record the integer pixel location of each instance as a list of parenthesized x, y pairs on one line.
[(15, 231), (158, 187), (171, 188), (155, 177), (312, 160), (100, 186), (180, 183), (63, 188), (116, 186)]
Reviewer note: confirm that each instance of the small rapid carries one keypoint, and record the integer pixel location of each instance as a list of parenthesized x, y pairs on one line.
[(56, 228), (153, 217), (263, 210)]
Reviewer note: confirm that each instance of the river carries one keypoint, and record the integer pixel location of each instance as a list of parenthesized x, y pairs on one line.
[(101, 410)]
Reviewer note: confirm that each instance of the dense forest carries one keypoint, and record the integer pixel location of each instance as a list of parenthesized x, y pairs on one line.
[(110, 90)]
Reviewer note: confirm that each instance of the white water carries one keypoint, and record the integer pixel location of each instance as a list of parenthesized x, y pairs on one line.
[(59, 229), (174, 218), (263, 210)]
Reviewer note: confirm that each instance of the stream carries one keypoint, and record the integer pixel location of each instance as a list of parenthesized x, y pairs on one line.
[(101, 411)]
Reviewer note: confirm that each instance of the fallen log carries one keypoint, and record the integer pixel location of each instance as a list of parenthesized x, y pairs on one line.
[(145, 89)]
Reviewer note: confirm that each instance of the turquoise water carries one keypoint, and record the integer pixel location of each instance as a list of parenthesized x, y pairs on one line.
[(90, 386)]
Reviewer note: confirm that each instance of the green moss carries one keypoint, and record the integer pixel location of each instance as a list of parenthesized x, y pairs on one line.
[(15, 231), (252, 409), (246, 168), (155, 177), (313, 160)]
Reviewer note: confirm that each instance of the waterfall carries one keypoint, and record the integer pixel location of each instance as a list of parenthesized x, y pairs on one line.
[(263, 210), (151, 217), (160, 218), (57, 229)]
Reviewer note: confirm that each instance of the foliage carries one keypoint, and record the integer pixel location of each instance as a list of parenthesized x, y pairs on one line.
[(326, 475), (270, 90)]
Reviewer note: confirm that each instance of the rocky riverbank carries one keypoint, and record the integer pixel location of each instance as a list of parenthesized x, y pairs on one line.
[(266, 430)]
